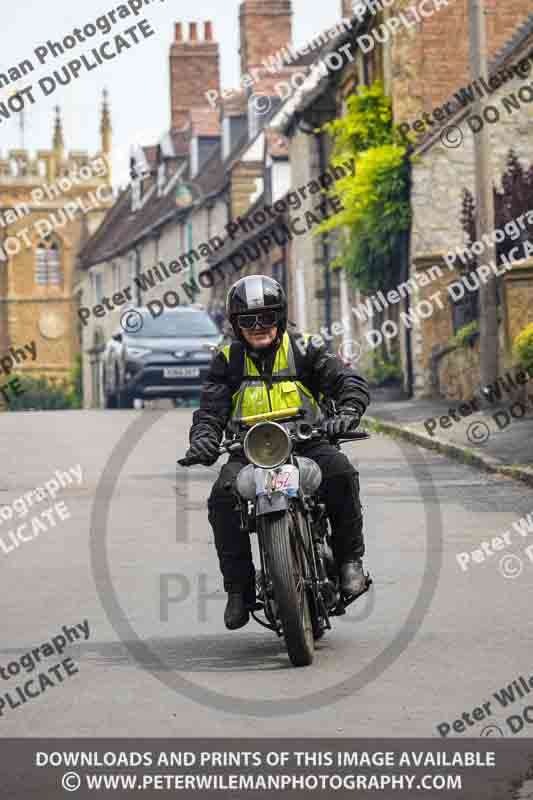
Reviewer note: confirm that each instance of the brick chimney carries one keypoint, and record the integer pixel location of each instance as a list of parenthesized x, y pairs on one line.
[(265, 27), (347, 7), (194, 69)]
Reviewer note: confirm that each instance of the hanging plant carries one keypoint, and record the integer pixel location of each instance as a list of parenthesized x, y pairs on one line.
[(376, 206)]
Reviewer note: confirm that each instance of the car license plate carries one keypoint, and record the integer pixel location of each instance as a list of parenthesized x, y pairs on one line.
[(284, 479), (181, 372)]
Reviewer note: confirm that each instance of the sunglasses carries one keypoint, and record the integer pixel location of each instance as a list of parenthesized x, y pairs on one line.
[(263, 319)]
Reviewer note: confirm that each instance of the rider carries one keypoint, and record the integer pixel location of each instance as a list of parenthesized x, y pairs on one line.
[(267, 369)]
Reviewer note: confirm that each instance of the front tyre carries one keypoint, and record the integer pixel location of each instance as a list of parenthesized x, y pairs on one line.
[(287, 572)]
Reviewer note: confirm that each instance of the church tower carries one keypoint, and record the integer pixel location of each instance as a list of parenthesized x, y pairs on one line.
[(48, 202)]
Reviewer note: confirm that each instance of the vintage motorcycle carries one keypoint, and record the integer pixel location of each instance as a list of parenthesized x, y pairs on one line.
[(278, 493)]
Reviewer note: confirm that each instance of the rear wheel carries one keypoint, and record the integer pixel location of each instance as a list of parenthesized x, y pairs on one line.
[(286, 567)]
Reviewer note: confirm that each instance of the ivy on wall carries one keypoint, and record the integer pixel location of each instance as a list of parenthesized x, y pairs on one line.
[(376, 205)]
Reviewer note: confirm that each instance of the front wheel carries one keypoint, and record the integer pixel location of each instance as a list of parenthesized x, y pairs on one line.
[(287, 571)]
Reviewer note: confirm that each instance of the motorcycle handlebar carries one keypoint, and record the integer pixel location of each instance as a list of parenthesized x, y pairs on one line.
[(317, 432)]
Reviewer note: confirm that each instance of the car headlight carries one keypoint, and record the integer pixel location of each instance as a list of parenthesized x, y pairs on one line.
[(137, 352), (267, 445)]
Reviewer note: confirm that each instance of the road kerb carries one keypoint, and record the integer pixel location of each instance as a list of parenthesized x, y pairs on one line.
[(467, 455)]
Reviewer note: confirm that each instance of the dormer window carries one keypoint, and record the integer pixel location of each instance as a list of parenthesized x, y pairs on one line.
[(226, 137), (161, 178), (136, 194)]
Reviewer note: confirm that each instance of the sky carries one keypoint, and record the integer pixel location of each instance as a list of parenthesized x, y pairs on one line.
[(137, 79)]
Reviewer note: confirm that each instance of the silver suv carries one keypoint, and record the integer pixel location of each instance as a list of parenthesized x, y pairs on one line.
[(165, 356)]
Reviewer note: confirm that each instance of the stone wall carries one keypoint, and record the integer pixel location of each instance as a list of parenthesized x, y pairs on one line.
[(440, 175), (458, 372)]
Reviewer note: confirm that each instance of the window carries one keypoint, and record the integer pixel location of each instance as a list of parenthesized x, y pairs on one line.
[(115, 274), (132, 272), (48, 264), (465, 310), (161, 178), (98, 287)]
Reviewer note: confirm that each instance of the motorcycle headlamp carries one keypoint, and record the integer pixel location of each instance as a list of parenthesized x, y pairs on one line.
[(267, 445)]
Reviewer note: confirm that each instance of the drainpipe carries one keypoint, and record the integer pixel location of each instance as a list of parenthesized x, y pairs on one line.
[(137, 273), (406, 260), (326, 252)]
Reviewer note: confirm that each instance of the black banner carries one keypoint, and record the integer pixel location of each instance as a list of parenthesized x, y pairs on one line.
[(490, 768)]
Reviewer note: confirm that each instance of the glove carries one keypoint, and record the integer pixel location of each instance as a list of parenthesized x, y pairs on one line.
[(205, 450), (346, 421)]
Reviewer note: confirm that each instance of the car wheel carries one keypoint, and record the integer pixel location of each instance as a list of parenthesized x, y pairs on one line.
[(125, 400), (110, 400)]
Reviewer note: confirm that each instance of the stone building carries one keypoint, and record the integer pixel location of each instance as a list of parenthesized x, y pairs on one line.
[(324, 296), (173, 207), (219, 162), (49, 205), (419, 75), (444, 168)]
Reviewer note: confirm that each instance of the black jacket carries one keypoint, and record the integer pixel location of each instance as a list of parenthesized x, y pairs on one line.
[(318, 370)]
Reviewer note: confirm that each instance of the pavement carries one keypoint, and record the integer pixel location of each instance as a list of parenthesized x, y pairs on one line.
[(497, 438), (430, 642)]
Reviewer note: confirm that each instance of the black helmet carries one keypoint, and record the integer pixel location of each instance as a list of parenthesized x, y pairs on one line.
[(256, 293)]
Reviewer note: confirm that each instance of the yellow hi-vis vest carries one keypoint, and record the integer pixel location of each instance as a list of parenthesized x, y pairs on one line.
[(254, 396)]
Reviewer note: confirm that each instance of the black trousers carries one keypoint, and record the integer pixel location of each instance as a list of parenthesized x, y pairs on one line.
[(340, 489)]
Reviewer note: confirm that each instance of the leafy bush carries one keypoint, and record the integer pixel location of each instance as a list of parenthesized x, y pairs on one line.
[(465, 335), (523, 347), (76, 383), (384, 373), (376, 207), (41, 394)]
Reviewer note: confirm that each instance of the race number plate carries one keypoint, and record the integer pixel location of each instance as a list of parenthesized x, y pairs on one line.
[(285, 479)]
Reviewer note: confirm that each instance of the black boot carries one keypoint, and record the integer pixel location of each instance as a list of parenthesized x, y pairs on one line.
[(353, 579), (236, 614)]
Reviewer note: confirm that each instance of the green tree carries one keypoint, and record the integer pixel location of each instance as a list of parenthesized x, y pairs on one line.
[(376, 204)]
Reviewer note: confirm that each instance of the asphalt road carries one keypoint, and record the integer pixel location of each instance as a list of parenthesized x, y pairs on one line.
[(429, 644)]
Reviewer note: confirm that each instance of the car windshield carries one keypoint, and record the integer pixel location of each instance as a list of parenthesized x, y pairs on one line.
[(186, 325)]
